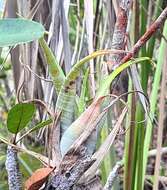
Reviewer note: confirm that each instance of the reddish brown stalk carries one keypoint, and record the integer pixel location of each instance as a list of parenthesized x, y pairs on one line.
[(118, 41), (151, 30)]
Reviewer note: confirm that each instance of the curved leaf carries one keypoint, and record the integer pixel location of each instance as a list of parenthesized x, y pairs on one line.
[(54, 68), (17, 31), (36, 127), (77, 127), (66, 97), (105, 84), (38, 178), (40, 125), (19, 116)]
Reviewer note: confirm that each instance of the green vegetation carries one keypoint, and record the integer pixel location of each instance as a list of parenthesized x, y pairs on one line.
[(67, 90)]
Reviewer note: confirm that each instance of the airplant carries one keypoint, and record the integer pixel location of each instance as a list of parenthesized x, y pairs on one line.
[(76, 123), (22, 113)]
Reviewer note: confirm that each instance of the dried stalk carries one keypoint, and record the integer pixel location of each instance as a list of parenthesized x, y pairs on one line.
[(160, 125), (151, 30), (154, 152), (118, 41), (104, 148)]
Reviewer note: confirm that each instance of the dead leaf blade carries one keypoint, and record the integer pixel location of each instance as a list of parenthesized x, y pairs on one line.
[(38, 178)]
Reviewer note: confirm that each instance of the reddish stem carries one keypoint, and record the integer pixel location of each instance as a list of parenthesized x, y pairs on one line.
[(118, 41), (151, 30)]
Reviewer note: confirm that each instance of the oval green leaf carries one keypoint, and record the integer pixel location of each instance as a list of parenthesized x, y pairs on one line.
[(18, 31), (19, 116)]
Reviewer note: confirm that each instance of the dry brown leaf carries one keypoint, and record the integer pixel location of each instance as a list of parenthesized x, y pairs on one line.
[(38, 178)]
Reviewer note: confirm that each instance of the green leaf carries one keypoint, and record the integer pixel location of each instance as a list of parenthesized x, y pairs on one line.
[(105, 84), (40, 125), (82, 103), (19, 116), (18, 31), (55, 70), (154, 97), (1, 125), (36, 127), (66, 100), (78, 126)]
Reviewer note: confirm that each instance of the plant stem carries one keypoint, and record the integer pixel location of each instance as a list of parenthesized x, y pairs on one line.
[(151, 30), (160, 124), (153, 99), (139, 111), (129, 142)]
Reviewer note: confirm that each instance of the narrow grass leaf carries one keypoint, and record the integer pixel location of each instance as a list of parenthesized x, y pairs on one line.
[(154, 97), (36, 127), (107, 81)]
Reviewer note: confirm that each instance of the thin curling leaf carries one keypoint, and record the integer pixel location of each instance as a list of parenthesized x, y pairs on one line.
[(36, 127), (40, 125), (66, 98), (78, 126), (105, 84), (18, 31), (19, 116), (55, 70), (138, 87)]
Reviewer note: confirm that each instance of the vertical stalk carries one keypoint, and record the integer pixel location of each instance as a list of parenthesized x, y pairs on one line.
[(106, 167), (153, 99), (140, 143), (129, 142), (130, 137), (139, 111), (143, 24), (160, 125), (151, 42)]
